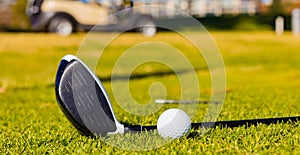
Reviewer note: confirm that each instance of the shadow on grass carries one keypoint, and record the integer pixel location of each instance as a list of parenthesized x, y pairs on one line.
[(146, 75)]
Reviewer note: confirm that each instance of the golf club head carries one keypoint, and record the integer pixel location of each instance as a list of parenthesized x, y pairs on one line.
[(83, 100)]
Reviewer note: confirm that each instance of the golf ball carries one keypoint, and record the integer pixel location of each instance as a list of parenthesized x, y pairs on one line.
[(173, 123)]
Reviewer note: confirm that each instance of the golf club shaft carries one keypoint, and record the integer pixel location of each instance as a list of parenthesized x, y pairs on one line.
[(231, 124), (237, 123), (162, 101)]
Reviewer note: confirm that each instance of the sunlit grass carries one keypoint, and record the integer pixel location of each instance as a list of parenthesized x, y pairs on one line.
[(262, 81)]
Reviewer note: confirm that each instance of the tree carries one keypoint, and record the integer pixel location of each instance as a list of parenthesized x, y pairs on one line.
[(277, 8)]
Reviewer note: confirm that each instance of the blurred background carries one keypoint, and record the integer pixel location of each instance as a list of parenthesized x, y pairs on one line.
[(214, 14)]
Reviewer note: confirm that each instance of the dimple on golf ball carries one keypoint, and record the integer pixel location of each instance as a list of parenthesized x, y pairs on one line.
[(173, 123)]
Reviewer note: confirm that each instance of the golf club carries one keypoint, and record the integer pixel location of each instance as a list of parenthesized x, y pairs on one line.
[(85, 103), (163, 101)]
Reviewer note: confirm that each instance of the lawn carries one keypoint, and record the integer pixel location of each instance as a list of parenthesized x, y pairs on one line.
[(262, 81)]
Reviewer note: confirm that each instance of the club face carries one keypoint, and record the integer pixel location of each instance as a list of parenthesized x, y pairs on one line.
[(83, 99)]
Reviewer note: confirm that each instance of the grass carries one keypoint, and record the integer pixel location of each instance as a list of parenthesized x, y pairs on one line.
[(262, 81)]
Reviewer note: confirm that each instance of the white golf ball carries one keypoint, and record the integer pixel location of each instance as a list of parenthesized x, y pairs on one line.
[(173, 123)]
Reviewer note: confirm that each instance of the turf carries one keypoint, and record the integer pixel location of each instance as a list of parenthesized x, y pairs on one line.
[(262, 81)]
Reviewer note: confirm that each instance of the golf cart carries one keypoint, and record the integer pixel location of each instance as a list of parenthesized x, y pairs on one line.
[(66, 16)]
